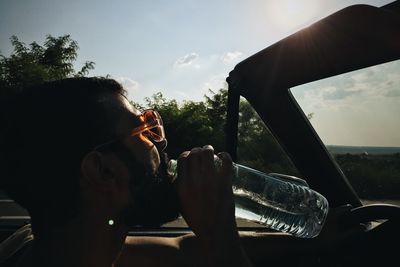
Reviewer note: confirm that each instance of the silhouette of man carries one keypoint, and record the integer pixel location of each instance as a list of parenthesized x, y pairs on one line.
[(88, 167)]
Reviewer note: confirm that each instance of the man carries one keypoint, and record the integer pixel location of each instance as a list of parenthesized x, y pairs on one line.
[(87, 166)]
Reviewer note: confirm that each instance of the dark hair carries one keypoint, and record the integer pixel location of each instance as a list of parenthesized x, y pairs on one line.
[(46, 130)]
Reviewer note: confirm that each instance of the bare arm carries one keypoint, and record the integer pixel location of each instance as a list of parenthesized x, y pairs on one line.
[(180, 251), (150, 251), (207, 206), (218, 253)]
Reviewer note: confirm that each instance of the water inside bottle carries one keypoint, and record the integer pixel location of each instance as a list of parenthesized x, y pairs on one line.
[(300, 222)]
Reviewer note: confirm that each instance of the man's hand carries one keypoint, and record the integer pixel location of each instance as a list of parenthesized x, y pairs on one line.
[(206, 193), (207, 205)]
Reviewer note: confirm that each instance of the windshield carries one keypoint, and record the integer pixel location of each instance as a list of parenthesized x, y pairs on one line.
[(356, 116)]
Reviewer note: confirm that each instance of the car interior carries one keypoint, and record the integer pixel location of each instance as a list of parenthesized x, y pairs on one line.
[(355, 233)]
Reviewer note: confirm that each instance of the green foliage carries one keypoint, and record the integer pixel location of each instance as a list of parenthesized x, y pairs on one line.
[(257, 147), (32, 64), (372, 176), (195, 124), (192, 124)]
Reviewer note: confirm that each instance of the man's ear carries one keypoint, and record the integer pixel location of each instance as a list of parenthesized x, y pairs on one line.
[(97, 170)]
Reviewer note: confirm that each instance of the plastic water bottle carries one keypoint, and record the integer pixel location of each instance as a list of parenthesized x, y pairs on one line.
[(280, 202)]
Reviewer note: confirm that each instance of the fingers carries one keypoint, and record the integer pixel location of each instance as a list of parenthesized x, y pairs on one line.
[(202, 160), (198, 156), (194, 160), (208, 155), (181, 158), (205, 192)]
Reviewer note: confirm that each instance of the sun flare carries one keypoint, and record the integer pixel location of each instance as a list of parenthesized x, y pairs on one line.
[(291, 14)]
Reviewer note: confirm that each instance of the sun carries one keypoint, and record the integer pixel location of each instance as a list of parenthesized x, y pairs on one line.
[(291, 14)]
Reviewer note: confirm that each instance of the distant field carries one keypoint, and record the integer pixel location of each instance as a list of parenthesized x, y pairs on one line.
[(362, 150), (373, 176)]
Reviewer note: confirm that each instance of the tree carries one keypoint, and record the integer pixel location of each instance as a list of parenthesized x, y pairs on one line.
[(191, 124), (194, 124), (32, 64), (257, 147)]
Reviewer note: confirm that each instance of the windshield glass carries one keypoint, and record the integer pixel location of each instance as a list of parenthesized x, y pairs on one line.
[(356, 116)]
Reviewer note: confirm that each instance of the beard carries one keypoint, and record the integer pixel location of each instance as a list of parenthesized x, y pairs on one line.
[(154, 200)]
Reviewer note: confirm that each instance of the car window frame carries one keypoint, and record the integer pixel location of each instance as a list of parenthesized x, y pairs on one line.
[(265, 79)]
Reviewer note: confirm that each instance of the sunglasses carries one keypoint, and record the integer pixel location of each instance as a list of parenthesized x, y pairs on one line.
[(151, 127)]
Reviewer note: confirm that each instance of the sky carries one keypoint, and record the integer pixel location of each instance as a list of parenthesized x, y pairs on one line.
[(181, 48), (358, 108)]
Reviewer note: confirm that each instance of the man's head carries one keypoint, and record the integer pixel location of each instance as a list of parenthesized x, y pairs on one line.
[(49, 164)]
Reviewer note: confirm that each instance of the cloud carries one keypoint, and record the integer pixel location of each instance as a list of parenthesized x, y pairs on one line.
[(363, 75), (334, 93), (186, 60), (393, 93), (229, 57), (215, 83), (131, 86), (392, 85)]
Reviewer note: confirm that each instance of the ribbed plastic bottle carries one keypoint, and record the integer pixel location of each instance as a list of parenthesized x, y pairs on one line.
[(280, 202)]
